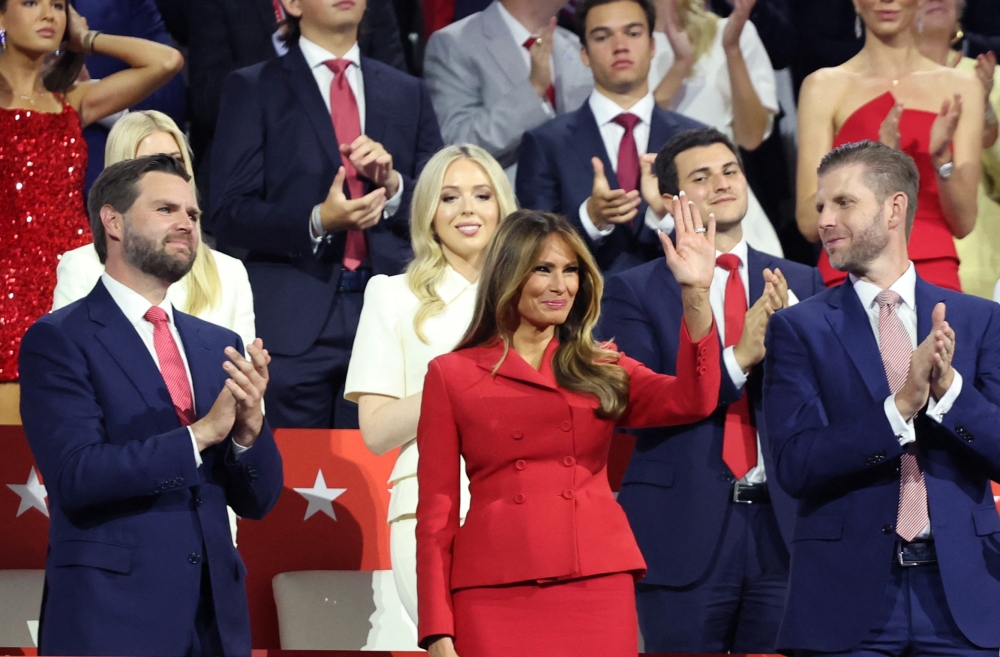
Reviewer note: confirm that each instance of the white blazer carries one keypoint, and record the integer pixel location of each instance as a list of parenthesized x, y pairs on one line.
[(389, 359), (79, 270)]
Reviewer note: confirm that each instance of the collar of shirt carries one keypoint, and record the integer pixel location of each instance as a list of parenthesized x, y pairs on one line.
[(317, 56), (905, 286), (518, 31), (605, 110), (453, 285), (133, 304)]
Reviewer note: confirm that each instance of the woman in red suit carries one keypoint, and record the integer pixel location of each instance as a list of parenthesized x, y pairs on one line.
[(545, 562), (891, 93)]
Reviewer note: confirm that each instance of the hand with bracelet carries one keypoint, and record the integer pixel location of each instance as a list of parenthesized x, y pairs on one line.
[(942, 133)]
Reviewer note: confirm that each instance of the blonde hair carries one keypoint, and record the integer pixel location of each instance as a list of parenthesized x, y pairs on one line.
[(580, 364), (204, 287), (699, 24), (427, 270)]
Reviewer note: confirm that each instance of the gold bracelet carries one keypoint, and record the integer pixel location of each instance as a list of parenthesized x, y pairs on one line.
[(88, 40)]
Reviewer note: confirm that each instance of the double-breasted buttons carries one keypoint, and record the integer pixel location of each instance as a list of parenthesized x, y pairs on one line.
[(518, 434), (194, 557), (569, 461), (520, 464), (568, 493), (519, 499), (566, 425)]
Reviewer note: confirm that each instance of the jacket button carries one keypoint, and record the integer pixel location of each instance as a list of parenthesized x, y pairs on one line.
[(197, 501), (518, 434), (569, 461), (519, 499), (702, 369), (566, 426), (568, 493), (520, 464), (887, 528), (194, 557)]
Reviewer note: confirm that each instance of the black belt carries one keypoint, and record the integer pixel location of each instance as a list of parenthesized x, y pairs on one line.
[(915, 553), (353, 281), (751, 493)]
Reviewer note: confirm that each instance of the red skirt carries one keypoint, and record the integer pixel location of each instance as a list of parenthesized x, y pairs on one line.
[(594, 616)]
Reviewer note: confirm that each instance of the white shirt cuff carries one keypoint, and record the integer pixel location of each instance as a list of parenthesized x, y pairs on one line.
[(194, 445), (936, 410), (736, 373), (593, 232), (904, 431), (392, 205), (238, 450), (316, 232), (666, 224)]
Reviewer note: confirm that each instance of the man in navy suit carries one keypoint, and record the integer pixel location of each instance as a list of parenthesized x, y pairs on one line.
[(708, 523), (320, 198), (146, 423), (586, 164), (884, 425)]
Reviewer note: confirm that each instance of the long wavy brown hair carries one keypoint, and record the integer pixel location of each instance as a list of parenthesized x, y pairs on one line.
[(580, 364)]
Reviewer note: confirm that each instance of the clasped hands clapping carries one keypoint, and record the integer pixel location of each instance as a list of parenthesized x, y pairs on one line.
[(237, 410), (371, 161), (930, 372)]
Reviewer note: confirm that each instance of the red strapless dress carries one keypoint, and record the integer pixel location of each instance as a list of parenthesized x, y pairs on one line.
[(43, 159), (932, 248)]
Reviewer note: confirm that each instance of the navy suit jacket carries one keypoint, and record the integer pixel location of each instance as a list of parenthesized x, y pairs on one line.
[(835, 452), (554, 174), (676, 490), (275, 157), (132, 517)]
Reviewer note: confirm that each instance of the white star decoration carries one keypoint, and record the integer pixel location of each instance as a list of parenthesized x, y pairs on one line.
[(32, 494), (320, 497)]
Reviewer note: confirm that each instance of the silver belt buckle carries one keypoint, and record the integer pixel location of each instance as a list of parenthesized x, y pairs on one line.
[(736, 493), (904, 562)]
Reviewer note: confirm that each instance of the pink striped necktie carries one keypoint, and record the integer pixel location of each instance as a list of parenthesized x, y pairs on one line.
[(171, 365), (896, 348)]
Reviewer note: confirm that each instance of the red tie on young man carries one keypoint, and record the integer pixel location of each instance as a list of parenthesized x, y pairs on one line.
[(347, 126), (896, 349), (739, 438), (171, 365), (550, 93)]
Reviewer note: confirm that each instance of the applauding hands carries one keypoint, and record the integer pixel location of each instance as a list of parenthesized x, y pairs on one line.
[(237, 410), (930, 367)]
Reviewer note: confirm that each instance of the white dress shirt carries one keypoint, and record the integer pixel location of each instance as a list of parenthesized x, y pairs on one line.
[(316, 57), (717, 299), (605, 110), (390, 359), (906, 311), (135, 306), (520, 34)]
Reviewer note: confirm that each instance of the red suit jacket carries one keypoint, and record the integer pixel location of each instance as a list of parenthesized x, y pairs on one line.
[(536, 455)]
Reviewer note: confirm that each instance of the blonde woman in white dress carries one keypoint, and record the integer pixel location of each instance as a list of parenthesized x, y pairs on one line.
[(409, 319)]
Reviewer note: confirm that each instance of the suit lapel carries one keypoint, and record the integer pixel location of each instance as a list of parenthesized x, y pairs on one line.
[(122, 341), (854, 330), (516, 368), (303, 86), (204, 368), (500, 44), (588, 142), (378, 101)]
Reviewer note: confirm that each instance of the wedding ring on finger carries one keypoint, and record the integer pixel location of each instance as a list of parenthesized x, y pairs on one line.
[(701, 230)]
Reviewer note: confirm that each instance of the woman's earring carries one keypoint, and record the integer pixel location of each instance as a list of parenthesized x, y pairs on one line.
[(857, 26), (57, 52), (3, 41)]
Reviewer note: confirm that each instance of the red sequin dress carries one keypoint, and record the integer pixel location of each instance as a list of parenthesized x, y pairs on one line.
[(931, 246), (43, 159)]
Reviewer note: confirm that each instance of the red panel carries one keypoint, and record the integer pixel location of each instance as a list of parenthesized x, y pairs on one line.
[(24, 538), (286, 541)]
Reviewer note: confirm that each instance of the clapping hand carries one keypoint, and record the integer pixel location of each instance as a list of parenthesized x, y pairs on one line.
[(750, 350), (649, 185), (247, 383), (737, 20), (541, 52), (608, 206), (930, 367), (676, 36), (985, 66), (888, 132), (943, 130), (373, 162), (942, 373)]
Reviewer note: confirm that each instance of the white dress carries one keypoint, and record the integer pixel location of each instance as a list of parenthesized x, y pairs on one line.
[(389, 359), (80, 269), (707, 96)]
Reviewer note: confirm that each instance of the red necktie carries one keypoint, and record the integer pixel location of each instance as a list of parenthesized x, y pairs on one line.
[(279, 11), (896, 348), (739, 439), (550, 93), (628, 154), (171, 365), (347, 127)]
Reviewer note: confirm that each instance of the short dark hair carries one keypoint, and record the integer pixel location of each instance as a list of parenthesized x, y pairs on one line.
[(293, 30), (584, 8), (887, 171), (116, 186), (665, 165)]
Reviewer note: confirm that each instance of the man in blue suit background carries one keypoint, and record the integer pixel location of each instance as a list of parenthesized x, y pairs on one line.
[(145, 423), (315, 158), (709, 525), (884, 424), (586, 164)]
